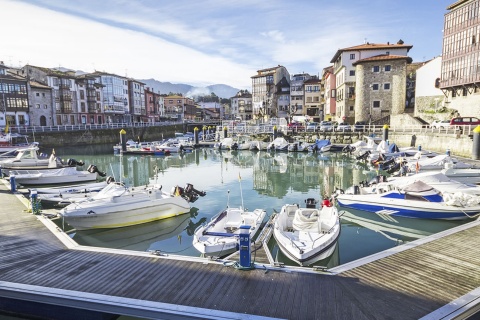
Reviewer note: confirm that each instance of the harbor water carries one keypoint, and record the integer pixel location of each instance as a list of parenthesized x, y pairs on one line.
[(253, 179)]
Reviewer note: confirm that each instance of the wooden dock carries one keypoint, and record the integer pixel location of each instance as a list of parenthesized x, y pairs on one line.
[(43, 272)]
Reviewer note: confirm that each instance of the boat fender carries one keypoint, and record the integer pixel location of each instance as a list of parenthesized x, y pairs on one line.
[(327, 203)]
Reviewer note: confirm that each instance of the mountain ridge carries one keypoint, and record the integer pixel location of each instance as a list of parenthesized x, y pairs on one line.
[(221, 90)]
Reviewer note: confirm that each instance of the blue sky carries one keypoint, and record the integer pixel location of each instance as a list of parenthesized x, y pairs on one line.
[(209, 42)]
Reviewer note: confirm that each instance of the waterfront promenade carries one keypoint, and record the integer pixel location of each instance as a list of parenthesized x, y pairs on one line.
[(43, 272)]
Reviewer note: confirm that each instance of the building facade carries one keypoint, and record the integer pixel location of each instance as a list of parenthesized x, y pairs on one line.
[(115, 97), (297, 93), (265, 91), (241, 105), (328, 94), (136, 96), (460, 72), (345, 64), (380, 89), (13, 99), (312, 90), (154, 105)]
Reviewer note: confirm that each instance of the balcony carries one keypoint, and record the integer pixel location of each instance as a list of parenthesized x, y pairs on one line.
[(64, 86)]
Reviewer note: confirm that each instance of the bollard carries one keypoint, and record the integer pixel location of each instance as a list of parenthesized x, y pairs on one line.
[(225, 133), (123, 140), (33, 201), (13, 185), (244, 247), (476, 144), (275, 131), (419, 148), (385, 132), (195, 135)]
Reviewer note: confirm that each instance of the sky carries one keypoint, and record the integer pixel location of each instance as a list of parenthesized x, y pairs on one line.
[(209, 42)]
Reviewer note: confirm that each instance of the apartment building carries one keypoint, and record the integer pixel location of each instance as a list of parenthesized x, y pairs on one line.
[(180, 108), (328, 92), (241, 105), (352, 102), (267, 87), (312, 92), (115, 97), (460, 71), (90, 99), (297, 93), (136, 95), (13, 99), (154, 105)]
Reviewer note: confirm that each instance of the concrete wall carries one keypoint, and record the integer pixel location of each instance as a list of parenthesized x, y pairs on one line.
[(92, 137)]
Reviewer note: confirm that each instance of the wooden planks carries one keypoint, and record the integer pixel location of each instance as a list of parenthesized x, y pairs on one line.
[(406, 285)]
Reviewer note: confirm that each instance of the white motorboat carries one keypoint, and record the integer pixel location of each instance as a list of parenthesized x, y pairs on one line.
[(30, 158), (298, 146), (118, 206), (77, 188), (55, 176), (307, 234), (416, 200), (63, 200), (219, 237), (279, 144), (258, 145), (436, 163), (12, 141), (226, 144)]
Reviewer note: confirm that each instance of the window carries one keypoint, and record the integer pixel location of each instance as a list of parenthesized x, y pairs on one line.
[(376, 104), (37, 106), (37, 94), (352, 56), (352, 108), (375, 86), (376, 69), (333, 93), (386, 86), (388, 68), (352, 73)]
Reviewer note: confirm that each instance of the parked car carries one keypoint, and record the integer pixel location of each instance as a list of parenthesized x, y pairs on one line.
[(313, 126), (344, 127), (440, 124), (296, 126), (360, 126), (326, 126), (465, 121)]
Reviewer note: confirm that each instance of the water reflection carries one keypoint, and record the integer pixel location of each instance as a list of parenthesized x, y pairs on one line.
[(268, 181)]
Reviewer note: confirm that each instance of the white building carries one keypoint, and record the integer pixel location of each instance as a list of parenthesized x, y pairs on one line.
[(428, 95)]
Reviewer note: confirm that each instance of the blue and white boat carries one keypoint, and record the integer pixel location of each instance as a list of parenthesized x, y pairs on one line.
[(320, 145), (416, 200)]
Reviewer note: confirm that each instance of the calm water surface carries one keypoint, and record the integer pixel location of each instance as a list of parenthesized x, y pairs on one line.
[(267, 181)]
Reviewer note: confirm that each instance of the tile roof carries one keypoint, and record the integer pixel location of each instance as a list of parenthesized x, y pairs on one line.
[(372, 46), (383, 57)]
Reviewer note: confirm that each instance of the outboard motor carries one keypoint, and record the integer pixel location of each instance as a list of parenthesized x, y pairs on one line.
[(189, 193), (311, 203), (364, 156), (73, 163), (234, 146), (110, 179), (93, 169), (393, 168)]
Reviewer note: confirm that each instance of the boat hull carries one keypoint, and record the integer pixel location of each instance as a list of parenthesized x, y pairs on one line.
[(402, 208), (122, 211)]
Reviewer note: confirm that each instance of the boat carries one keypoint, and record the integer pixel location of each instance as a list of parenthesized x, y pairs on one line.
[(63, 200), (259, 145), (397, 229), (30, 158), (56, 176), (415, 200), (307, 234), (278, 144), (12, 141), (320, 145), (226, 144), (74, 188), (219, 236), (117, 205), (298, 146)]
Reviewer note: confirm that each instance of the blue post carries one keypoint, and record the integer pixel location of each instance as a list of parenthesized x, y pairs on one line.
[(448, 152), (419, 148), (33, 201), (13, 185), (245, 254)]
